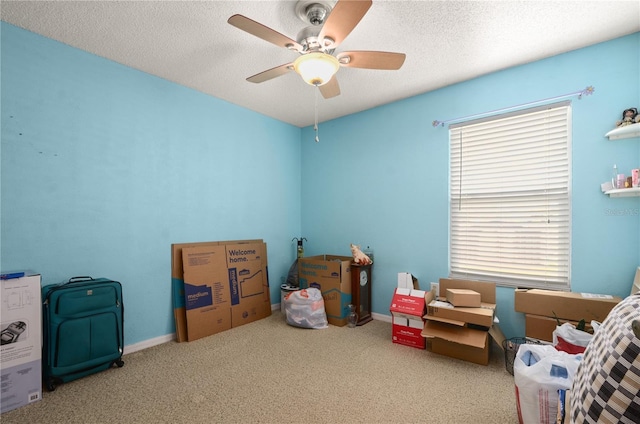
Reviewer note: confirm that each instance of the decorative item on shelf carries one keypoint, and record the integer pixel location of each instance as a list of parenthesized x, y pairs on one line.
[(620, 180), (627, 127), (629, 117), (619, 186), (358, 256)]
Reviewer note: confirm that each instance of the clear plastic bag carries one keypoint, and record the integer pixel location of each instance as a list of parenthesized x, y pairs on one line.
[(305, 308), (568, 338)]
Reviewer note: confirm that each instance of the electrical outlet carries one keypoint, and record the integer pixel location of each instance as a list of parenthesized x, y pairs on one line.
[(435, 287)]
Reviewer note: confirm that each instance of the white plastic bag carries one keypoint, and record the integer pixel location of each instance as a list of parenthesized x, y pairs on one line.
[(305, 308), (568, 338), (539, 372)]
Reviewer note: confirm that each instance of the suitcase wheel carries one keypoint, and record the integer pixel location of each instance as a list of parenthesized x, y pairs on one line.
[(119, 363), (50, 385)]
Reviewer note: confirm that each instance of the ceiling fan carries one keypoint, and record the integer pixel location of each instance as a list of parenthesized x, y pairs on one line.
[(317, 63)]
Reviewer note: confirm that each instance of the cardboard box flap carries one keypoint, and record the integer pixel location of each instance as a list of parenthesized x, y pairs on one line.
[(406, 280), (496, 334), (446, 320), (480, 316), (452, 333), (487, 290)]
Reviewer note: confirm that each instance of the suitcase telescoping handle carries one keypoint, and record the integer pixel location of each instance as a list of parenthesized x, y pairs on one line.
[(79, 279)]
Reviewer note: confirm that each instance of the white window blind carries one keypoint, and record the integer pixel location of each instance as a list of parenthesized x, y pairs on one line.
[(510, 198)]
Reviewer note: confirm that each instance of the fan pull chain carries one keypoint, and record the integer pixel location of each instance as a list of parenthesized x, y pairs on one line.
[(315, 125)]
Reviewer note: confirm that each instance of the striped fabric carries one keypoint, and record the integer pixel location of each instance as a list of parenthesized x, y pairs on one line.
[(606, 387)]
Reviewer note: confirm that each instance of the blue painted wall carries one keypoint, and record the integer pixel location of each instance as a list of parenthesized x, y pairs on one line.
[(380, 177), (103, 167)]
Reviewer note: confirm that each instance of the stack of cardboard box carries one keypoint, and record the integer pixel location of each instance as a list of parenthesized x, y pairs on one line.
[(407, 309), (218, 286), (331, 274), (545, 309), (460, 322)]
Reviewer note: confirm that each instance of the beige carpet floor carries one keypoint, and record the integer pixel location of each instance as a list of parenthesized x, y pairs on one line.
[(270, 372)]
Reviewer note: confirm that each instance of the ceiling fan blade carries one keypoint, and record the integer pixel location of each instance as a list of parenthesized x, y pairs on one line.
[(264, 32), (330, 89), (271, 73), (371, 60), (343, 18)]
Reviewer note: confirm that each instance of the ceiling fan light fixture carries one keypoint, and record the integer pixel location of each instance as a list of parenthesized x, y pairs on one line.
[(316, 68)]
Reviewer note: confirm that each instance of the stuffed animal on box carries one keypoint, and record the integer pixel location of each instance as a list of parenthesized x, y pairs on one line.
[(629, 116), (358, 256)]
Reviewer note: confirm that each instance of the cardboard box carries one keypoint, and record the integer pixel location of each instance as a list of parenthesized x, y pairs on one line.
[(408, 335), (443, 311), (455, 350), (457, 342), (541, 328), (487, 290), (446, 312), (407, 308), (463, 297), (331, 274), (408, 303), (565, 305), (218, 285), (462, 332), (461, 343), (206, 290), (248, 281), (21, 349)]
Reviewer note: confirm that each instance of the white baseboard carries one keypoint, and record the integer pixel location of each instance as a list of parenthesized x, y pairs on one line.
[(166, 338), (170, 337), (381, 317), (148, 343)]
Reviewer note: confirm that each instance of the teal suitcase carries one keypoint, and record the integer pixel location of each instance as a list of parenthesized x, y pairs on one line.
[(83, 322)]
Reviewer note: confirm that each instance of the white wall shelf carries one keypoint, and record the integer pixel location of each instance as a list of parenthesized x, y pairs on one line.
[(628, 131), (624, 192)]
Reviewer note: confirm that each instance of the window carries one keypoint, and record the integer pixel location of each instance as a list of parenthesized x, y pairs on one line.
[(510, 198)]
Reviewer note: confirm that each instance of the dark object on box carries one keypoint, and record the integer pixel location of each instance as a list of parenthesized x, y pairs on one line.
[(83, 329), (510, 347)]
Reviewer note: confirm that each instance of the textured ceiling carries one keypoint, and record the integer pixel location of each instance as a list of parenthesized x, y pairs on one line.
[(191, 43)]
